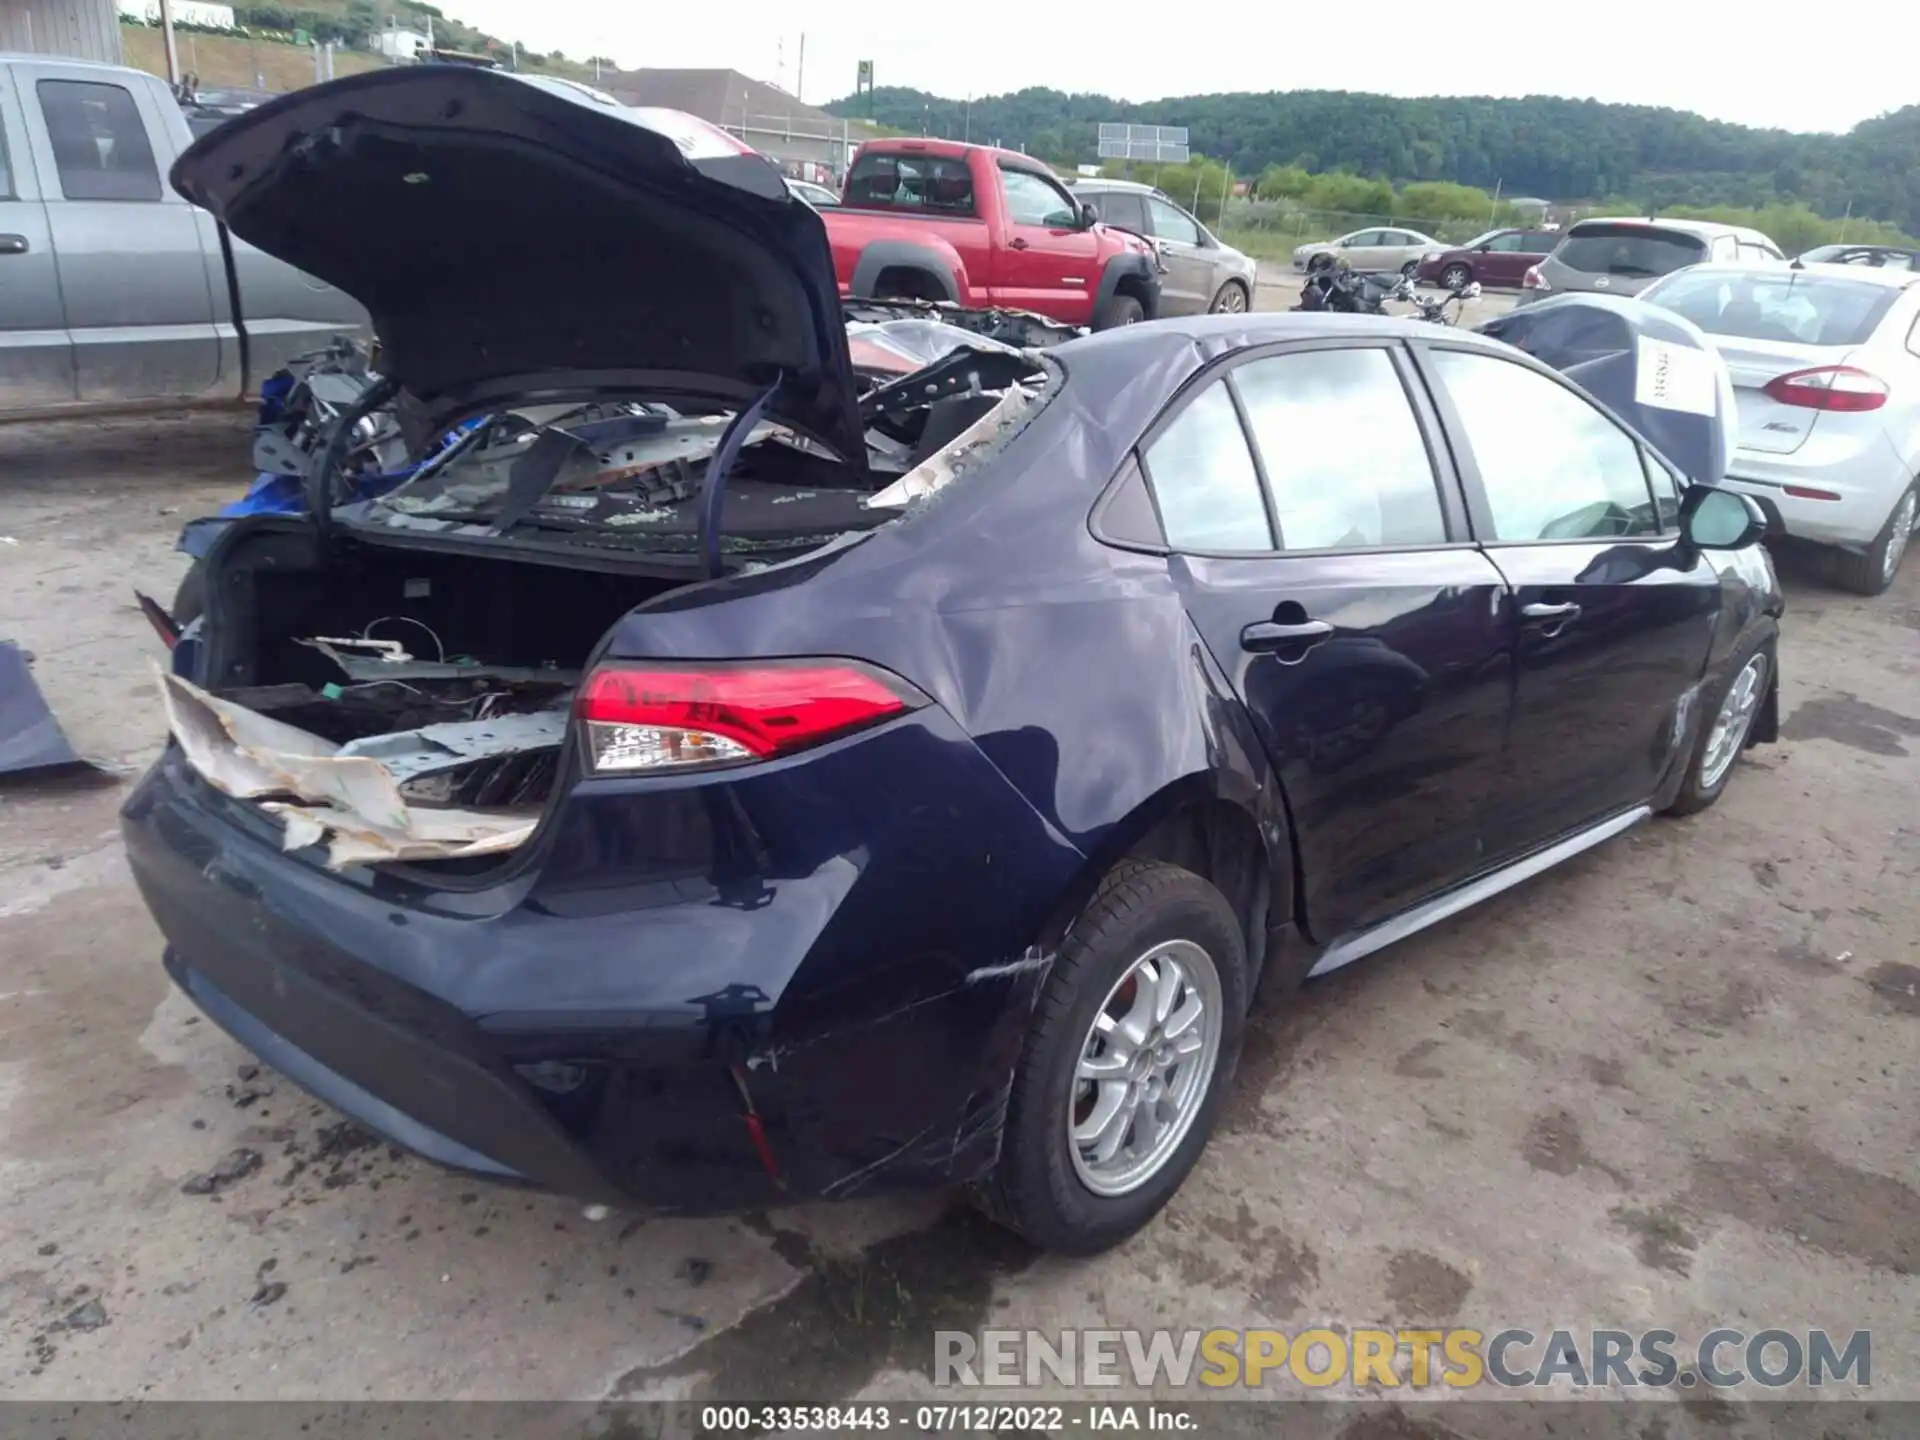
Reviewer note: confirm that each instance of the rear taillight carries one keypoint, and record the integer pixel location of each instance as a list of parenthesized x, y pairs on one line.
[(646, 717), (1829, 387), (1534, 280)]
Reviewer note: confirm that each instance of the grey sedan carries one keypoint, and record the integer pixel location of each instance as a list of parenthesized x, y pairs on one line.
[(1203, 273)]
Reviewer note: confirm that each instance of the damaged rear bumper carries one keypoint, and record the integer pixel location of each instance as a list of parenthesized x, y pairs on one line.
[(599, 1022)]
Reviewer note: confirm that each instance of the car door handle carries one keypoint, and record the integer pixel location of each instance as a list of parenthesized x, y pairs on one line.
[(1567, 610), (1265, 635), (1016, 243), (13, 245)]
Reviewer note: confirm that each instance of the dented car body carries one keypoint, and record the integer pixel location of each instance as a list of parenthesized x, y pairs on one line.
[(851, 695)]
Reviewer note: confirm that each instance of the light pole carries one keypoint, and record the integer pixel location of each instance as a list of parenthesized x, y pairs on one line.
[(166, 30)]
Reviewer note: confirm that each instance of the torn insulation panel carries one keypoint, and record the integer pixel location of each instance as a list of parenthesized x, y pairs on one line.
[(361, 804)]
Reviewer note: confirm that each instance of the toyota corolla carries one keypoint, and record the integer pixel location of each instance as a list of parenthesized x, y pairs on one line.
[(719, 779)]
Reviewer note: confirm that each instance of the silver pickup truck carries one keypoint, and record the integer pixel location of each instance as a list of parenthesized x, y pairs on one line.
[(113, 289)]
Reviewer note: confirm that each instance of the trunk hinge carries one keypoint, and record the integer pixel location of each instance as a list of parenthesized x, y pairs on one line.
[(712, 495)]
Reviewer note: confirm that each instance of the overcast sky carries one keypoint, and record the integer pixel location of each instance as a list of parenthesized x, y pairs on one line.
[(1797, 73)]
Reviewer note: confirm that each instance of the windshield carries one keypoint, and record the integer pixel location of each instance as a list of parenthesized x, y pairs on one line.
[(1783, 306), (1635, 250)]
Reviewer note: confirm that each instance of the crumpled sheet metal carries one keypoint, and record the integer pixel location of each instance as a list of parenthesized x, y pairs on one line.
[(935, 471), (351, 801), (900, 347)]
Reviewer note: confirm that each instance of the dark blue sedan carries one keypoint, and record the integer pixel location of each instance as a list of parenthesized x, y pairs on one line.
[(724, 778)]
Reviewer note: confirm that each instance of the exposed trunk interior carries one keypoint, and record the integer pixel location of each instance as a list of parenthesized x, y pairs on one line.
[(452, 672)]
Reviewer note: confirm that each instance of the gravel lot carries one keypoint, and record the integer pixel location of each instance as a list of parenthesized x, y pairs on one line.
[(1671, 1083)]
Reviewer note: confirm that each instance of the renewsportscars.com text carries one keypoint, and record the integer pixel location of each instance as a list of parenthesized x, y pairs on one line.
[(1365, 1358)]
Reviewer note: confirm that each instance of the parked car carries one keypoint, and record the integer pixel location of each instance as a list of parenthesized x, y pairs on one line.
[(818, 196), (1202, 271), (112, 287), (1383, 249), (1623, 257), (1892, 256), (928, 813), (1499, 257), (207, 109), (979, 227), (1825, 361)]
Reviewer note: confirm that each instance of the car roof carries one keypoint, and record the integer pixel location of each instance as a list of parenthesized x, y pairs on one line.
[(1100, 182), (1232, 332), (1862, 274), (1706, 228)]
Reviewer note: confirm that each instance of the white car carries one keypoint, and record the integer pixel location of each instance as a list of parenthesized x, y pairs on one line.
[(818, 196), (1379, 249), (1825, 361)]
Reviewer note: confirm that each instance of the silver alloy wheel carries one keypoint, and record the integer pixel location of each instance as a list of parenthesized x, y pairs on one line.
[(1232, 300), (1455, 277), (1145, 1068), (1904, 517), (1735, 719)]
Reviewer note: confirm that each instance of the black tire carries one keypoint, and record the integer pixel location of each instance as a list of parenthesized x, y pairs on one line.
[(1695, 793), (191, 598), (1408, 268), (1867, 573), (1118, 310), (1456, 277), (1223, 303), (1035, 1189)]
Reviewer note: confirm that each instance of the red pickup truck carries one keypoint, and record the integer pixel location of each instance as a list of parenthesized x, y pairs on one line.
[(936, 220)]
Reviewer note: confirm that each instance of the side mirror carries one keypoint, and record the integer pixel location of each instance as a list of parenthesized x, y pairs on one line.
[(1088, 216), (1721, 519), (1472, 292)]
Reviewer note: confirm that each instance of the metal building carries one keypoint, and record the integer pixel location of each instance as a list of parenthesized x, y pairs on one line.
[(811, 142), (85, 29)]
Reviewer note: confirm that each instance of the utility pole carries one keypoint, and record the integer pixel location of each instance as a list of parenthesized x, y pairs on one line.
[(800, 75), (967, 135), (173, 54)]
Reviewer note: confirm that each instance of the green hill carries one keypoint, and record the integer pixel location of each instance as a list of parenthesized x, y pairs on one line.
[(1555, 148)]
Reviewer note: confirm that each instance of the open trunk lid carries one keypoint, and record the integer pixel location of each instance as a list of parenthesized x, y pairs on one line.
[(513, 241)]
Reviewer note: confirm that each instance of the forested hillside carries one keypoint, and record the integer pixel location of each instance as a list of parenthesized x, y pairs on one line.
[(1540, 145)]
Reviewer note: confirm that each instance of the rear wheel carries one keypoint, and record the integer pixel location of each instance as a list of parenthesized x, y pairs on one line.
[(1133, 1043), (1455, 277), (1408, 268), (1118, 310), (1872, 572)]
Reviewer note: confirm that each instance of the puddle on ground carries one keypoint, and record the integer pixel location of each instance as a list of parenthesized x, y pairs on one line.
[(852, 1317)]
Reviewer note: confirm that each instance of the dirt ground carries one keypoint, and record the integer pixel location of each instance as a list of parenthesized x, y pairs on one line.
[(1670, 1084)]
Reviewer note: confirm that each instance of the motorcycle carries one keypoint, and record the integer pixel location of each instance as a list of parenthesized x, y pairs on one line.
[(1435, 311), (1334, 286)]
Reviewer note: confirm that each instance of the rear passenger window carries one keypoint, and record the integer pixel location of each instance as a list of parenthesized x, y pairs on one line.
[(937, 184), (6, 175), (1554, 467), (1204, 481), (1342, 451), (100, 146)]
